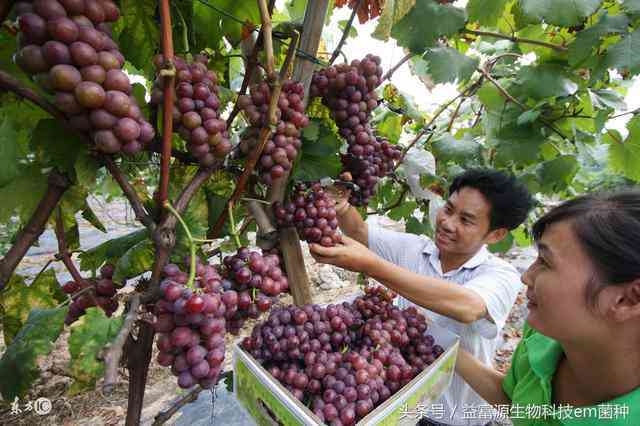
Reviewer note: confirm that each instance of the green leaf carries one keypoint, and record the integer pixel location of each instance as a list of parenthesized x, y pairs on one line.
[(587, 41), (296, 9), (19, 363), (606, 98), (631, 6), (503, 245), (624, 54), (352, 31), (425, 23), (22, 195), (89, 215), (110, 251), (92, 333), (390, 126), (9, 153), (86, 170), (528, 117), (55, 145), (564, 13), (486, 13), (546, 81), (135, 261), (624, 155), (394, 11), (448, 148), (556, 175), (447, 64), (414, 226), (137, 32), (18, 299), (319, 158)]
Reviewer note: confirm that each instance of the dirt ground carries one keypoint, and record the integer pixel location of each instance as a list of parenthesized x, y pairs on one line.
[(95, 408)]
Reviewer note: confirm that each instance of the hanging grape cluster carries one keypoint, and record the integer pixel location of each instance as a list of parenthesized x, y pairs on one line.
[(346, 359), (67, 46), (348, 90), (282, 148), (90, 293), (196, 115), (312, 212)]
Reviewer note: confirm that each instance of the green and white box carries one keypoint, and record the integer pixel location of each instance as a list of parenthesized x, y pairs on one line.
[(270, 403)]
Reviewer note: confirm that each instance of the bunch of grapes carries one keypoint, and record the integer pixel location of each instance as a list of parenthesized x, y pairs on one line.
[(67, 46), (349, 92), (343, 360), (312, 212), (100, 292), (196, 108), (282, 148), (254, 279), (191, 325)]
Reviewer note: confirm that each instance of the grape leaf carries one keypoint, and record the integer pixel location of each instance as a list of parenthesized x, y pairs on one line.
[(9, 153), (588, 40), (485, 12), (631, 6), (605, 98), (528, 117), (17, 299), (55, 145), (296, 9), (448, 148), (135, 261), (22, 195), (89, 215), (425, 23), (447, 64), (564, 13), (319, 157), (624, 54), (137, 32), (414, 226), (393, 11), (18, 365), (557, 174), (88, 337), (110, 251), (624, 155), (503, 245), (390, 126), (546, 81)]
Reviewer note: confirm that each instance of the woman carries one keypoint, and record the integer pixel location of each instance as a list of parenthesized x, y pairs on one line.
[(579, 359)]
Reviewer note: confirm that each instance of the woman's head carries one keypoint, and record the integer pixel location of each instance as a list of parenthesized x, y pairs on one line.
[(588, 268)]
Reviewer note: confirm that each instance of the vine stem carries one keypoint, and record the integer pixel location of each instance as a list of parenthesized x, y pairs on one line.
[(192, 245), (515, 39), (164, 416), (265, 17), (345, 33), (265, 133), (167, 117), (395, 68)]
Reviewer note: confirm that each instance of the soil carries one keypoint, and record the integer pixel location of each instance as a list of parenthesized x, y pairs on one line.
[(95, 408)]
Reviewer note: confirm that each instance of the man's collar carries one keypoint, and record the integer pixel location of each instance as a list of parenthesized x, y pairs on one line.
[(478, 259)]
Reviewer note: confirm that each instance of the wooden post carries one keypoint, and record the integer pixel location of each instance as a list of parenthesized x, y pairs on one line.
[(303, 71)]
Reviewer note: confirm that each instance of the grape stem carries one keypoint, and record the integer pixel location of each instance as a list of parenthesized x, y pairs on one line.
[(232, 225), (345, 33), (192, 244), (164, 416)]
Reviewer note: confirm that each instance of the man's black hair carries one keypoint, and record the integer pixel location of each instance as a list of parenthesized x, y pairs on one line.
[(509, 199)]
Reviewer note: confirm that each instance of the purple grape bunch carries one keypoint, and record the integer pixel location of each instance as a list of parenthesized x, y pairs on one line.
[(196, 114), (348, 90), (100, 292), (282, 148), (344, 360), (66, 46), (312, 212)]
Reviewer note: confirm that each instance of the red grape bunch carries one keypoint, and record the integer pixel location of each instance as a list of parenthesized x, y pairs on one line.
[(282, 148), (196, 108), (312, 212), (67, 46), (100, 292), (349, 92), (343, 360), (191, 325), (253, 279)]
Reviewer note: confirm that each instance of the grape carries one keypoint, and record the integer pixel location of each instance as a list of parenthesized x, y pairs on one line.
[(127, 129), (84, 55), (106, 141), (65, 77), (73, 7), (101, 292), (63, 29), (31, 60), (196, 103), (67, 103), (34, 28), (308, 210), (90, 94), (56, 53)]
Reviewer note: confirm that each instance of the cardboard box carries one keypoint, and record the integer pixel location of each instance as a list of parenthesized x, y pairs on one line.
[(270, 403)]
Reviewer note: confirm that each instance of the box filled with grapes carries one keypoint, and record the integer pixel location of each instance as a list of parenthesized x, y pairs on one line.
[(363, 362)]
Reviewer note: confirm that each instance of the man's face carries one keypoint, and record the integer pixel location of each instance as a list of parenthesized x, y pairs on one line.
[(462, 225)]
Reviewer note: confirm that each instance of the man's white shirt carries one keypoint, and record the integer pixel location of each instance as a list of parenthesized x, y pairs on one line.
[(495, 280)]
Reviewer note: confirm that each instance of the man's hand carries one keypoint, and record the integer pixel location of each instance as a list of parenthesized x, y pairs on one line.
[(347, 254), (340, 195)]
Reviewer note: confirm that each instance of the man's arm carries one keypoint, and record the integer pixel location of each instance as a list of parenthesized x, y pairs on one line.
[(440, 296), (486, 381)]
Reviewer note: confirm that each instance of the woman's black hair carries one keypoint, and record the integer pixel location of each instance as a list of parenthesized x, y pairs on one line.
[(607, 225), (510, 200)]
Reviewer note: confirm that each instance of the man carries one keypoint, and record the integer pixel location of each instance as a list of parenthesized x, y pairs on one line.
[(459, 284)]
